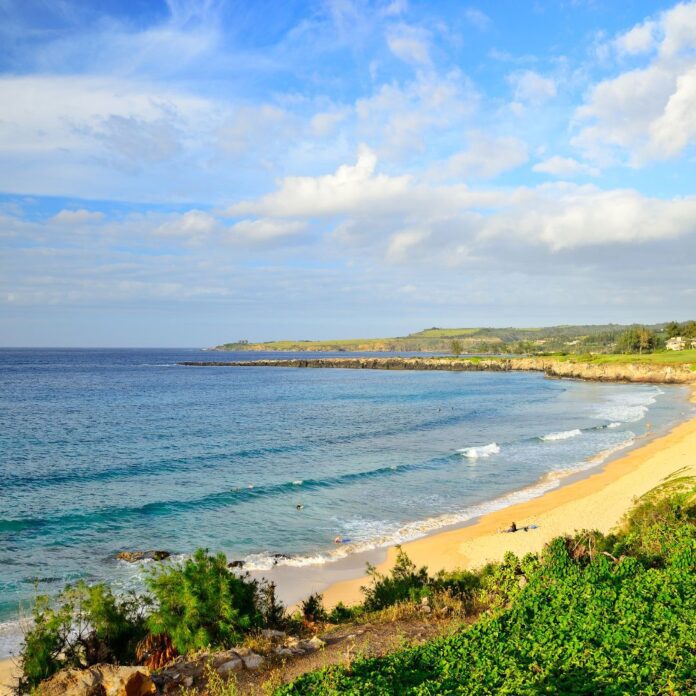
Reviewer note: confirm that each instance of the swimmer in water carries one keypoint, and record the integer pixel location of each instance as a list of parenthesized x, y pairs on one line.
[(299, 506)]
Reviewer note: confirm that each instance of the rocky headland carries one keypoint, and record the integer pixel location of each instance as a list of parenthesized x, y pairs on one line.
[(654, 373)]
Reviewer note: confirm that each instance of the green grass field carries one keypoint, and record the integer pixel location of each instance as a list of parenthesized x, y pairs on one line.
[(665, 357)]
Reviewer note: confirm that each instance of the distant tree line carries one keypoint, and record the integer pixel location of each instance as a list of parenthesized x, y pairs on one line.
[(686, 329)]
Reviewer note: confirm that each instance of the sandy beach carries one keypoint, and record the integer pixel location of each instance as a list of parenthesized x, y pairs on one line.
[(598, 501)]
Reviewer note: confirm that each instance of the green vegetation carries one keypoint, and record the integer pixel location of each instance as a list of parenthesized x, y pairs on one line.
[(638, 339), (202, 603), (85, 626), (592, 614), (605, 338), (668, 357)]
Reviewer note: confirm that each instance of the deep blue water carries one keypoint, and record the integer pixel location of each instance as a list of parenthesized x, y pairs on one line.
[(105, 450)]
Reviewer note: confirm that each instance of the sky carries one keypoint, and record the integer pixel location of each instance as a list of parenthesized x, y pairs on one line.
[(179, 173)]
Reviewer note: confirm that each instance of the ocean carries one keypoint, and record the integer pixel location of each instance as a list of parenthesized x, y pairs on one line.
[(104, 450)]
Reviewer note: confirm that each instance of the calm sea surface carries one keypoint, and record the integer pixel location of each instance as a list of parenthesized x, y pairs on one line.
[(106, 450)]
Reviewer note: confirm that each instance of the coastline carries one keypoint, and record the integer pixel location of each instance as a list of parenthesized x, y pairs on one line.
[(596, 501)]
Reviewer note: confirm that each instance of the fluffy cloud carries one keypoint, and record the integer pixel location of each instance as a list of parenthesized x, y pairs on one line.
[(78, 217), (640, 39), (485, 158), (529, 86), (264, 230), (410, 44), (193, 227), (646, 113), (403, 218), (564, 167), (349, 187), (400, 117), (565, 216)]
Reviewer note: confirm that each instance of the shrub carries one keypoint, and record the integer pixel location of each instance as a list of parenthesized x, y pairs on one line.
[(405, 582), (342, 614), (313, 608), (270, 608), (88, 625), (586, 621), (202, 604)]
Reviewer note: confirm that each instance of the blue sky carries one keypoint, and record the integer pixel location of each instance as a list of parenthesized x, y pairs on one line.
[(187, 173)]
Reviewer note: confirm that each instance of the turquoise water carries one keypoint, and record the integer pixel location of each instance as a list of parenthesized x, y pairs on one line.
[(105, 450)]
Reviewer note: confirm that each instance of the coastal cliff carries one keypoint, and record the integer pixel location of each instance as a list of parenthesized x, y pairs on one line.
[(654, 373)]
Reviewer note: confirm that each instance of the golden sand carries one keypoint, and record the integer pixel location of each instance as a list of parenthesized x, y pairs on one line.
[(596, 502)]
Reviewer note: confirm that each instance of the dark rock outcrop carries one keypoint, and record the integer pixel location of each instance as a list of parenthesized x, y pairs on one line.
[(603, 372), (134, 556)]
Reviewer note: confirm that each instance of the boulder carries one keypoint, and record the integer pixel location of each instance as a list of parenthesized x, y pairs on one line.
[(99, 680), (232, 665), (316, 643), (134, 556), (236, 564), (271, 634), (252, 661)]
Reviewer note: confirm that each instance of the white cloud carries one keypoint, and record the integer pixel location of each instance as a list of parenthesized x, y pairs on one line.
[(565, 216), (49, 113), (646, 113), (399, 117), (264, 230), (530, 86), (564, 167), (325, 122), (485, 157), (403, 243), (396, 216), (477, 18), (410, 44), (640, 39), (78, 217), (251, 128), (331, 194), (675, 129), (194, 227)]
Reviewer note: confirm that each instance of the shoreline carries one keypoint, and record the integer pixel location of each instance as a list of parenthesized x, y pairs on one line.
[(598, 500), (593, 499), (615, 371), (295, 582)]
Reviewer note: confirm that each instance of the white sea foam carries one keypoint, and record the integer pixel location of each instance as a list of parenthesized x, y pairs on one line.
[(476, 452), (299, 482), (375, 534), (564, 435), (628, 406), (11, 636), (615, 424)]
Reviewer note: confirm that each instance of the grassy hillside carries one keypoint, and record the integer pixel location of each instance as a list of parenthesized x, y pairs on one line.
[(571, 339)]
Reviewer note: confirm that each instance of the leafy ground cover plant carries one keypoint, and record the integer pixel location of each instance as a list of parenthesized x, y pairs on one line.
[(594, 614)]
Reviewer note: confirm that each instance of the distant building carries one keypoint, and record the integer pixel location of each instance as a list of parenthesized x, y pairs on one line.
[(677, 343)]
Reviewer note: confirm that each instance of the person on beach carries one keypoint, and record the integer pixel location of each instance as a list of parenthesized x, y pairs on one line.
[(512, 528)]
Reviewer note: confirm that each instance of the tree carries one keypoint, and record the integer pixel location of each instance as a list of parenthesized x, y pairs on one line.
[(456, 347), (673, 329), (636, 340)]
